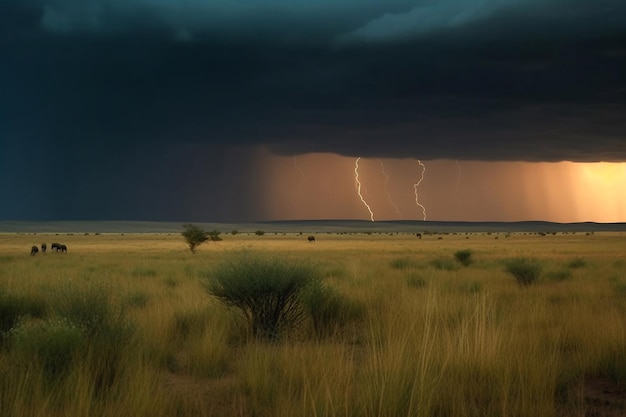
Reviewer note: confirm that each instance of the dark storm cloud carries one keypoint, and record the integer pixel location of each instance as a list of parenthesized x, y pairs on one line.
[(486, 79)]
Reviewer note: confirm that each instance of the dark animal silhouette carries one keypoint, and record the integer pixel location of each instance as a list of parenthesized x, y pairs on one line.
[(419, 235), (43, 248), (34, 250), (311, 238), (57, 247)]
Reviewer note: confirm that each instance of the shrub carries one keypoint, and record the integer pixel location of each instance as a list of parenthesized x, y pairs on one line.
[(266, 290), (214, 235), (464, 257), (107, 331), (12, 307), (577, 263), (525, 270), (53, 344), (328, 309), (194, 236), (259, 233)]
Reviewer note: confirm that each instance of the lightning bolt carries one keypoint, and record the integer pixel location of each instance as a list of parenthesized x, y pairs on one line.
[(358, 188), (395, 206), (458, 175), (417, 184), (295, 165)]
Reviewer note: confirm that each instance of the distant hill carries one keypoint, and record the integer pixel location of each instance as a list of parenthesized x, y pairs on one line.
[(307, 226)]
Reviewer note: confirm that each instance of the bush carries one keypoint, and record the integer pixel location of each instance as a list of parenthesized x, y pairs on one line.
[(53, 344), (266, 290), (525, 270), (259, 233), (194, 236), (464, 257), (328, 309), (577, 263), (12, 307), (214, 235), (107, 331)]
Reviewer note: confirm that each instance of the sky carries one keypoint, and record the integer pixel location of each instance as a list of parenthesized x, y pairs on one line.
[(247, 110)]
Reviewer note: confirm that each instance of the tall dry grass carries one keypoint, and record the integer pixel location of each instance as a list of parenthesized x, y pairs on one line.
[(423, 339)]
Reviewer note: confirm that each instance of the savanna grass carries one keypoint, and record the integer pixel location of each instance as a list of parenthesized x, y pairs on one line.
[(468, 343)]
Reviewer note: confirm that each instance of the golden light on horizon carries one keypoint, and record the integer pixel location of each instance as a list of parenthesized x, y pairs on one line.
[(321, 186)]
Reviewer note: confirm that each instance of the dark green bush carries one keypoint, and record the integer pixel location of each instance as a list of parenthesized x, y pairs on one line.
[(266, 290), (13, 306), (464, 257), (525, 270), (577, 263), (53, 344), (103, 323), (329, 310)]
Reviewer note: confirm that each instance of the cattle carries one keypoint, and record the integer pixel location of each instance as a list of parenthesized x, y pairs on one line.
[(418, 235), (34, 250), (311, 238), (43, 248)]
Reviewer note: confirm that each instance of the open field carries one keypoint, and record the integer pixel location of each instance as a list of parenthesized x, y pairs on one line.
[(121, 325)]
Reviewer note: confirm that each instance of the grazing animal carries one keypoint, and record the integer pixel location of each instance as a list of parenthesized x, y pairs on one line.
[(43, 248), (62, 248), (419, 235), (55, 247), (311, 238), (34, 250)]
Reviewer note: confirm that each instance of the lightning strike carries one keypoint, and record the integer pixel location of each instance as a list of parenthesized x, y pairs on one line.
[(458, 174), (358, 188), (417, 184), (295, 165), (395, 206)]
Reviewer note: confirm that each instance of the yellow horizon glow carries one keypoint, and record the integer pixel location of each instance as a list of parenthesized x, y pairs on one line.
[(322, 187)]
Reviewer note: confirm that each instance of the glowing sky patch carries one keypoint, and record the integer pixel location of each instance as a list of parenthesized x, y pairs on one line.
[(488, 191)]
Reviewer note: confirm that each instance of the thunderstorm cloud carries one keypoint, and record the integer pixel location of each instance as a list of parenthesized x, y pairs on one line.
[(115, 88)]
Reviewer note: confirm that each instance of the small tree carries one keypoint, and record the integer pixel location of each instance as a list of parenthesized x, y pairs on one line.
[(194, 236), (214, 235), (259, 233), (266, 291)]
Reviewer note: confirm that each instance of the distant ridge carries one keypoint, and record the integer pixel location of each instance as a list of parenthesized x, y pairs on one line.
[(307, 226)]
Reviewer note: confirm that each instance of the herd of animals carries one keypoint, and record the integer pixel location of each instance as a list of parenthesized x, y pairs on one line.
[(56, 247)]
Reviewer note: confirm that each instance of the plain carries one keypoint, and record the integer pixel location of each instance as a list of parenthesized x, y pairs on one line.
[(121, 325)]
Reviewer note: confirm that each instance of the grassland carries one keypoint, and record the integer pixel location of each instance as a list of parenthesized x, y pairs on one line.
[(426, 336)]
